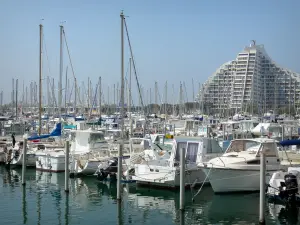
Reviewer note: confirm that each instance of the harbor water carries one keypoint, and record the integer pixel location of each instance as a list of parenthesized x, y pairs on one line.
[(43, 201)]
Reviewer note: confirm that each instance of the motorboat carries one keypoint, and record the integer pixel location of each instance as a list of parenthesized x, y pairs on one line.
[(238, 169), (164, 171)]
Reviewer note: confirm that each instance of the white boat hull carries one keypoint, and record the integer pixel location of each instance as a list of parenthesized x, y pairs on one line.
[(87, 168), (166, 176), (50, 163), (30, 161), (234, 180)]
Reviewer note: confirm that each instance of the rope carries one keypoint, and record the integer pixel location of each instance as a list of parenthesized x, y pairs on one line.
[(193, 198)]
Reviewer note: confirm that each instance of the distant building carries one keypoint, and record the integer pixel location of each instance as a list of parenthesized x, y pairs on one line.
[(253, 83)]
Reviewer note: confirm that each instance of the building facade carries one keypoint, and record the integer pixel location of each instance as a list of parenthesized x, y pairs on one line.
[(252, 83)]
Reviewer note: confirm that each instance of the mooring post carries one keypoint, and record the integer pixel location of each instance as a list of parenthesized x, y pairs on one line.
[(182, 178), (119, 174), (24, 161), (223, 128), (174, 131), (182, 220), (262, 194), (67, 172)]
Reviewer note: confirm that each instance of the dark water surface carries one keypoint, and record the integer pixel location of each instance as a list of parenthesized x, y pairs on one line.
[(43, 201)]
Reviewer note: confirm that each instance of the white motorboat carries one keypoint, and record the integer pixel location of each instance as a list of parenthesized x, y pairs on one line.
[(238, 169), (165, 170), (87, 149)]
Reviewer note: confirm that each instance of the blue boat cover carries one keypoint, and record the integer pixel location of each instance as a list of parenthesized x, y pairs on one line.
[(290, 142), (56, 132)]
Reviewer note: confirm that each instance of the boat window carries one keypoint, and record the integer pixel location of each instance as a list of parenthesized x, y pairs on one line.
[(236, 146), (269, 150), (243, 145), (191, 152), (179, 146), (96, 137), (214, 147), (252, 146)]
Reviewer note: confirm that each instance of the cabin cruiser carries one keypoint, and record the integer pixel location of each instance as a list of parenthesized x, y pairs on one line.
[(87, 149), (238, 168), (164, 170)]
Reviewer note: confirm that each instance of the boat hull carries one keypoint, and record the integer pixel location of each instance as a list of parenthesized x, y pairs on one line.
[(87, 169), (169, 177), (225, 180), (50, 163), (30, 161)]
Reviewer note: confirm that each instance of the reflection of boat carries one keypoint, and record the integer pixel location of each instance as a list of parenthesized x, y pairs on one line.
[(288, 214)]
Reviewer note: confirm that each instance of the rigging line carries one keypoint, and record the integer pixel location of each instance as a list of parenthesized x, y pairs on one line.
[(46, 52), (76, 86), (134, 67)]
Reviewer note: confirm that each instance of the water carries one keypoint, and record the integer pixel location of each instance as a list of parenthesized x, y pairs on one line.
[(43, 201)]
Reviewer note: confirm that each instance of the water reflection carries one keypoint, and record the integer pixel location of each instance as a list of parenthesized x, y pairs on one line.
[(284, 214), (67, 210), (24, 204), (45, 202)]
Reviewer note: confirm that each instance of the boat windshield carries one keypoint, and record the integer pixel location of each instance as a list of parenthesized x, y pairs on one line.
[(243, 145), (96, 137), (269, 149)]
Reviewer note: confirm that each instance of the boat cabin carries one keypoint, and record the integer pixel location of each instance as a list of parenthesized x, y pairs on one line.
[(253, 147), (86, 140), (196, 150)]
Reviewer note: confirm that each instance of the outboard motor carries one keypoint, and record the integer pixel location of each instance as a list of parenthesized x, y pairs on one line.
[(290, 186), (106, 168)]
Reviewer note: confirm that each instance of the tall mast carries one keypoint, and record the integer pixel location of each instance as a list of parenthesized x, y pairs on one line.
[(40, 79), (129, 99), (122, 109), (66, 91), (166, 97), (100, 96), (88, 94), (75, 97), (13, 92), (60, 73), (17, 81), (115, 98)]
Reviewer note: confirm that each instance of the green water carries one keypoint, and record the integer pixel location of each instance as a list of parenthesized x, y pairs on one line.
[(43, 201)]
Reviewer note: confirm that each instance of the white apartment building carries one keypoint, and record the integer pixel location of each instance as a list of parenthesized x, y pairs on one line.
[(253, 83)]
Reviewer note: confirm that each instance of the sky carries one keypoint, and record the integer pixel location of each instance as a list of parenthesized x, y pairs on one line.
[(174, 41)]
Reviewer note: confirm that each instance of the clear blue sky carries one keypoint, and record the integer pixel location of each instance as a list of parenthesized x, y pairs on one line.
[(172, 40)]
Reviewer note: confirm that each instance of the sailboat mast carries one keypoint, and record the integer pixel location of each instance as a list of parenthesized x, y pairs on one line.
[(40, 79), (17, 98), (129, 99), (122, 110), (100, 96), (60, 73), (66, 91)]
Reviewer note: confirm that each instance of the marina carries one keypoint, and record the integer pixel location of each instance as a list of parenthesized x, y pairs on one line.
[(148, 143)]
